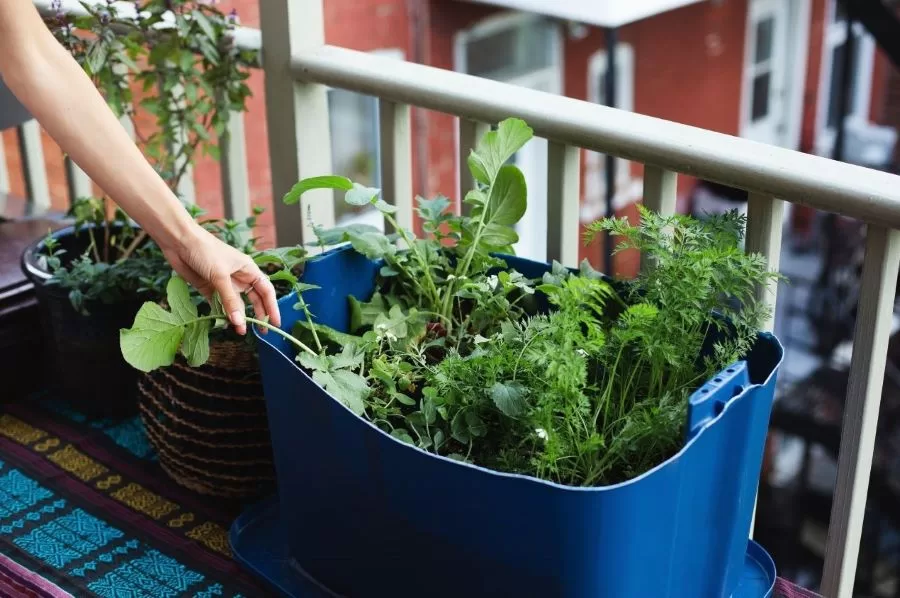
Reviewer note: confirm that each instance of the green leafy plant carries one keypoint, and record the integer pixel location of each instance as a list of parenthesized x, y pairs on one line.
[(571, 377), (174, 60)]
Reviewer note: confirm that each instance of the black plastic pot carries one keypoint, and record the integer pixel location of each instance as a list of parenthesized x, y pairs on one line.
[(85, 364)]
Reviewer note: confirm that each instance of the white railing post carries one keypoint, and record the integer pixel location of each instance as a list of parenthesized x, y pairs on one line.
[(660, 194), (296, 114), (764, 225), (870, 343), (4, 172), (469, 132), (234, 170), (396, 160), (31, 150), (77, 181), (563, 203)]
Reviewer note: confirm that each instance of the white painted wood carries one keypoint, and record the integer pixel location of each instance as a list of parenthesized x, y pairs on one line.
[(824, 184), (660, 189), (469, 133), (297, 114), (234, 169), (32, 151), (77, 181), (564, 191), (870, 343), (4, 171), (765, 216), (396, 160)]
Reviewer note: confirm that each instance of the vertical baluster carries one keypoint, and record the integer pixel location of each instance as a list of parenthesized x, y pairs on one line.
[(870, 343), (765, 215), (660, 189), (77, 181), (563, 203), (234, 170), (764, 219), (660, 193), (4, 172), (469, 134), (396, 160), (32, 152), (296, 113)]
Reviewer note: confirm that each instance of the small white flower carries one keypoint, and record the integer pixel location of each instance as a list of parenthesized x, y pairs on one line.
[(541, 433)]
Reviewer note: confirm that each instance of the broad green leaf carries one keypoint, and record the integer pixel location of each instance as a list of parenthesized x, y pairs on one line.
[(372, 245), (153, 339), (429, 410), (364, 314), (432, 210), (358, 195), (350, 357), (316, 182), (495, 235), (402, 398), (283, 276), (313, 362), (345, 386), (476, 425), (205, 25), (438, 439), (507, 202), (341, 234), (392, 325), (326, 333), (496, 147), (403, 435), (384, 207), (509, 398), (195, 346), (459, 429), (156, 334)]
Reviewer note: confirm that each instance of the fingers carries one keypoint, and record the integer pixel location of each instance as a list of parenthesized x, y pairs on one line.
[(231, 302), (261, 293)]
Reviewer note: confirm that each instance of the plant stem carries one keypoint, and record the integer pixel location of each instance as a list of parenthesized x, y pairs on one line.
[(279, 332), (133, 245)]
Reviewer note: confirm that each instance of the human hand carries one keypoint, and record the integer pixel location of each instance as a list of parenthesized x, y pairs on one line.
[(210, 265)]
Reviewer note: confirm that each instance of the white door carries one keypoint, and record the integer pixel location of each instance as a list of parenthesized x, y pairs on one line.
[(525, 50), (765, 106)]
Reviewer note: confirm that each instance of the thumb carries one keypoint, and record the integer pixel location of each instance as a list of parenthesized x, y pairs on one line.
[(231, 303)]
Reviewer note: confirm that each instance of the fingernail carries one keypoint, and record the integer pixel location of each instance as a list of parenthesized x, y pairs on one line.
[(237, 318)]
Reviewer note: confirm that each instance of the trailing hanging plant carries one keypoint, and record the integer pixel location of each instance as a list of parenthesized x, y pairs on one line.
[(570, 377)]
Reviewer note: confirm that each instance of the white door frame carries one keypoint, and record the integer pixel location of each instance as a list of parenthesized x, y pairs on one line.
[(796, 54), (533, 226), (834, 35)]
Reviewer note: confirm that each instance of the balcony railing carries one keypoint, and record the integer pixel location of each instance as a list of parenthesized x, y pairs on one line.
[(299, 66)]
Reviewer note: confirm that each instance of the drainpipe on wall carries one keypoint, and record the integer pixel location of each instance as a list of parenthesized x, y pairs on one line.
[(610, 95)]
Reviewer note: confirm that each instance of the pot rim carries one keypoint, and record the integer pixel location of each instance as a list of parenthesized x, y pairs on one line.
[(29, 258)]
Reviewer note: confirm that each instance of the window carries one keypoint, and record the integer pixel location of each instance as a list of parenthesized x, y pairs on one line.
[(594, 205), (355, 149), (509, 47), (835, 49)]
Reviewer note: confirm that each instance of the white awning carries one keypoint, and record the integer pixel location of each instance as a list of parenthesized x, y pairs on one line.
[(602, 13)]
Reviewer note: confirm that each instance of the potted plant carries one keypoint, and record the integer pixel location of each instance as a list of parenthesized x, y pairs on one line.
[(448, 419), (205, 414), (174, 61)]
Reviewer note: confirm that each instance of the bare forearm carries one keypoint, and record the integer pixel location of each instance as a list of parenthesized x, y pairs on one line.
[(51, 84)]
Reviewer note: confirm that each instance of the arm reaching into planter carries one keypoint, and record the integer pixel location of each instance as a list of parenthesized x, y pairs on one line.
[(54, 88)]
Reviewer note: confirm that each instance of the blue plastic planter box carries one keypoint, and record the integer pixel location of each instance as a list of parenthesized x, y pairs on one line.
[(369, 516)]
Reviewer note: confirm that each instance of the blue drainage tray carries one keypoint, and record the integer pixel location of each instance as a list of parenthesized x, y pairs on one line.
[(258, 542)]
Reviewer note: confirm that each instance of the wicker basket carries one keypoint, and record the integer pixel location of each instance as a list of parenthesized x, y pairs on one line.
[(209, 424)]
